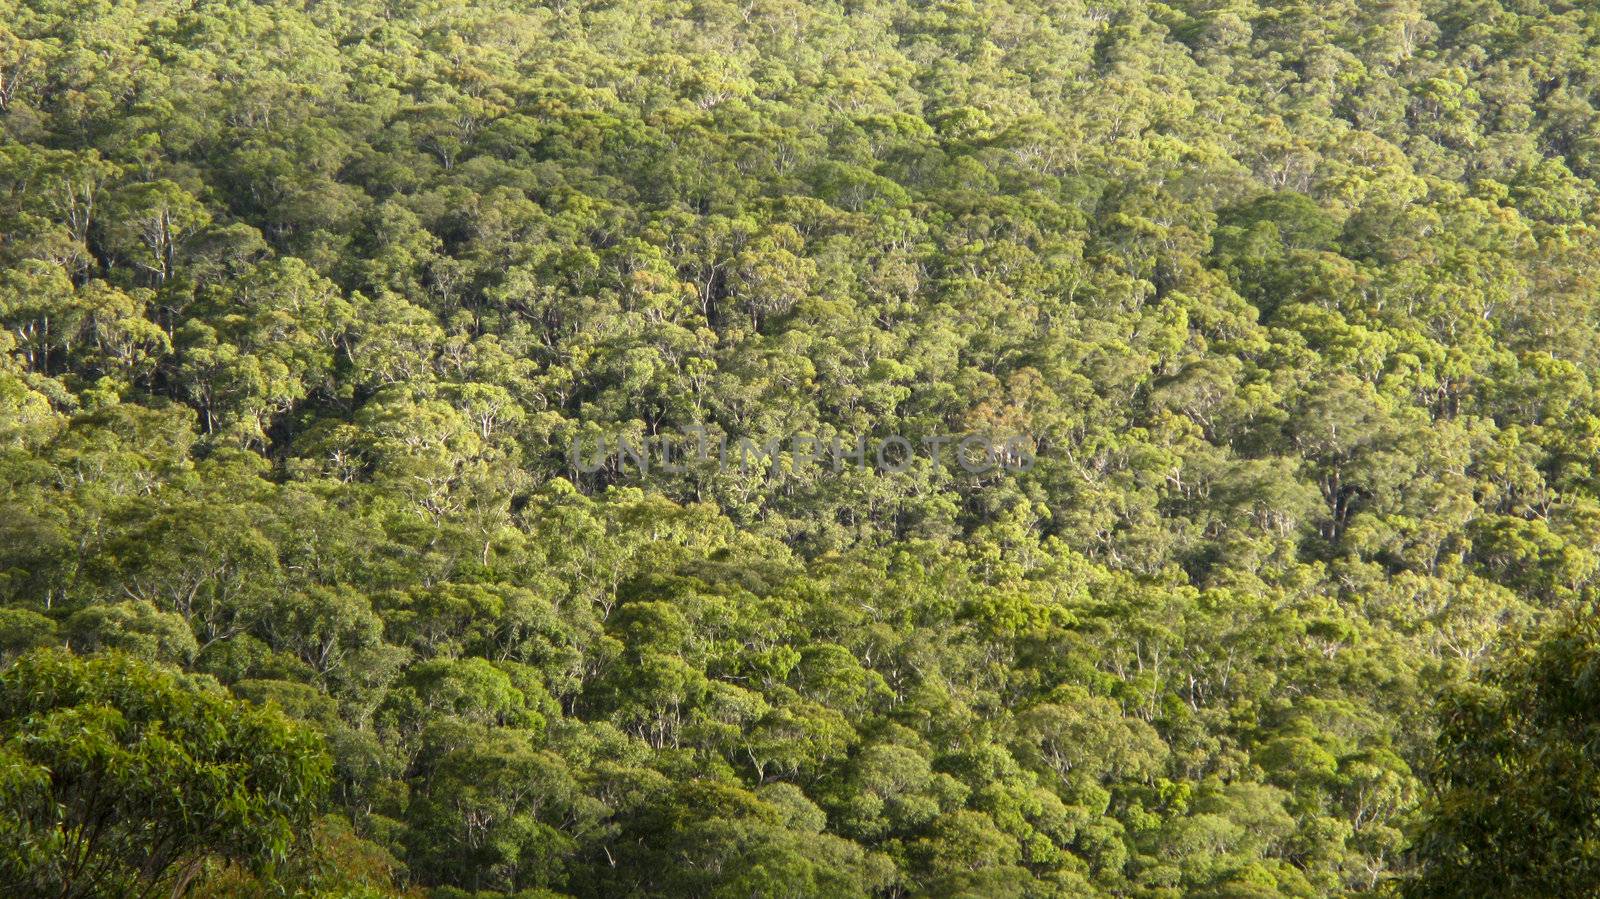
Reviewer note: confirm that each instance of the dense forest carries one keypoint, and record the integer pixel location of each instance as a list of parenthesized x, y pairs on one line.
[(308, 305)]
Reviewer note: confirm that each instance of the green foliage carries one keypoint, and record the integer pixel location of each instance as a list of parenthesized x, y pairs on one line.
[(124, 779), (304, 306), (1512, 805)]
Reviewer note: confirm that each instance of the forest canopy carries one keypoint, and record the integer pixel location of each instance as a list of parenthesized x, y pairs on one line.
[(1293, 306)]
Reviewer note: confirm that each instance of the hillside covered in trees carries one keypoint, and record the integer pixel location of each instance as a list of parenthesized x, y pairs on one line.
[(304, 306)]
